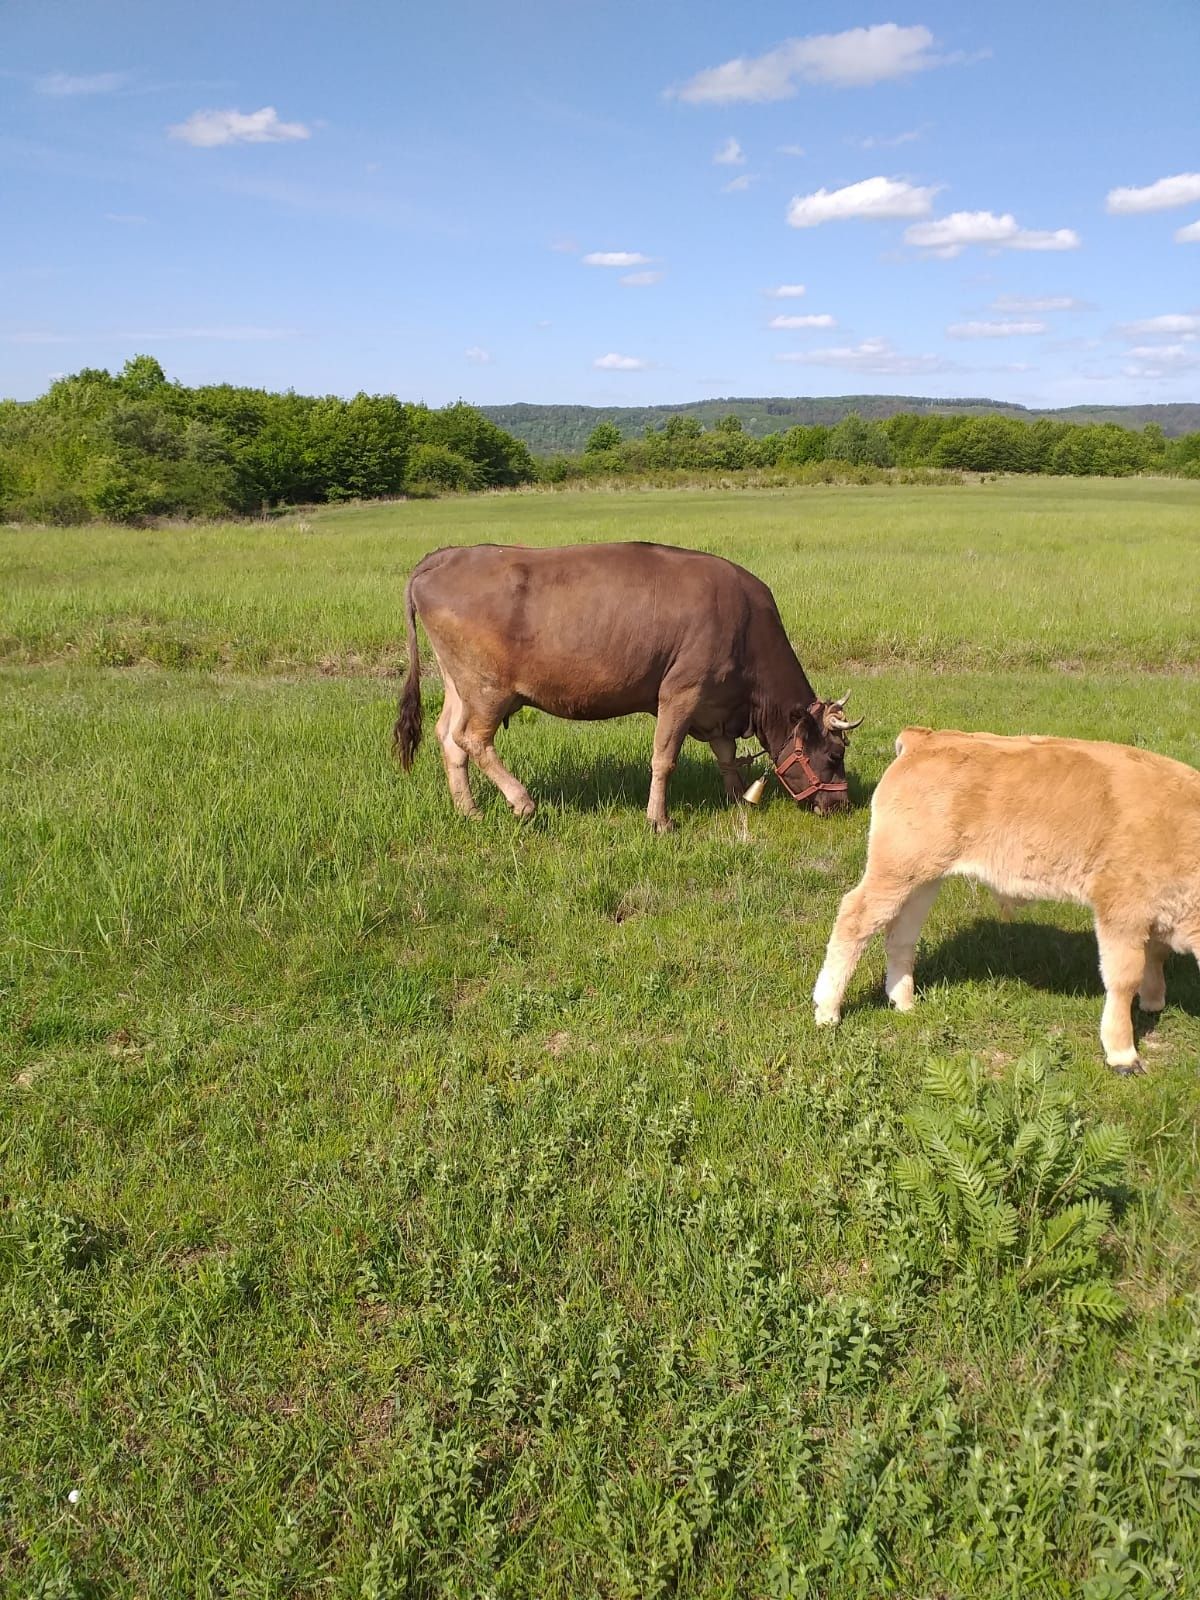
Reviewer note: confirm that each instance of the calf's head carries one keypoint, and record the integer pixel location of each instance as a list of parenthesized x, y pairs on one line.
[(811, 765)]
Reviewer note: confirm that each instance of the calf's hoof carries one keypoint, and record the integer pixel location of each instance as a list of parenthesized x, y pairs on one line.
[(826, 1017), (1127, 1064), (662, 824), (524, 809)]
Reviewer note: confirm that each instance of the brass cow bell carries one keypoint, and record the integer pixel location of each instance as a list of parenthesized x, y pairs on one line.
[(755, 792)]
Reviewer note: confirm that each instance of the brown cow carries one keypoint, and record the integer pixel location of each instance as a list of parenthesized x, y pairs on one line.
[(601, 630), (1104, 825)]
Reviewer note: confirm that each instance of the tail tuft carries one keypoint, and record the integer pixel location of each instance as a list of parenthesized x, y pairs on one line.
[(406, 735)]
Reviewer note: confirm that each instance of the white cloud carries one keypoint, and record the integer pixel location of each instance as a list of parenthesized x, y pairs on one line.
[(1189, 234), (612, 362), (208, 129), (478, 355), (994, 330), (740, 184), (1046, 302), (875, 141), (616, 258), (790, 149), (730, 154), (641, 280), (1162, 360), (787, 291), (820, 319), (873, 197), (1173, 322), (1185, 353), (948, 236), (874, 356), (851, 59), (62, 84), (1181, 190)]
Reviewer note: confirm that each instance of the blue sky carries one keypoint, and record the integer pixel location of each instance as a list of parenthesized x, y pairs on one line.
[(557, 201)]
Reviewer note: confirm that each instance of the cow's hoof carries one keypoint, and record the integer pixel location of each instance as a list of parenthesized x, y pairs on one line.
[(825, 1018), (665, 825), (524, 809)]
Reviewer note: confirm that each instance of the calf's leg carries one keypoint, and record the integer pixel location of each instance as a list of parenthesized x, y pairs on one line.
[(1122, 963), (875, 903), (900, 942), (1152, 991)]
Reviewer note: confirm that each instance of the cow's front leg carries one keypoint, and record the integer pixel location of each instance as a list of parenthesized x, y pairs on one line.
[(725, 751), (674, 718)]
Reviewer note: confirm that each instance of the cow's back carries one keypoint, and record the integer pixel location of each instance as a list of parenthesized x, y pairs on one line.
[(1038, 817), (585, 630)]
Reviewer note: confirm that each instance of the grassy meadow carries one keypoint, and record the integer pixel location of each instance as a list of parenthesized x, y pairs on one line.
[(398, 1205)]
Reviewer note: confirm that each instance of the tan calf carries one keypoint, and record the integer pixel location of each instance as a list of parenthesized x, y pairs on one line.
[(1104, 825)]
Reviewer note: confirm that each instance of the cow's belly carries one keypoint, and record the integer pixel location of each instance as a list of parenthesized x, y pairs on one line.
[(1024, 880), (591, 706)]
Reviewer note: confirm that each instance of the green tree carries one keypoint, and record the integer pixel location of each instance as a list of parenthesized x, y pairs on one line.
[(142, 375), (861, 443), (603, 437)]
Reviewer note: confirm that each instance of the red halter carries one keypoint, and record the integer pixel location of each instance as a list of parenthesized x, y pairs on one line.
[(793, 755)]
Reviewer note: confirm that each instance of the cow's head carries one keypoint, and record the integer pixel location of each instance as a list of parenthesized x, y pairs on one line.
[(811, 764)]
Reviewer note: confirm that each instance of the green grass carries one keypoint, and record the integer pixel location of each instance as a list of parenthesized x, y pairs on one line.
[(394, 1205), (1014, 572)]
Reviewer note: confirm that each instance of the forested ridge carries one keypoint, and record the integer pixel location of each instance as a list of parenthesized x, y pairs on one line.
[(133, 446), (551, 429)]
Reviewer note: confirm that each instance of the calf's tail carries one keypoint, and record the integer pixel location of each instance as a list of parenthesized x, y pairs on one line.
[(407, 732)]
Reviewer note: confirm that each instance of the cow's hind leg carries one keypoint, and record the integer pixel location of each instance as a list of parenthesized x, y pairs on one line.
[(900, 942), (725, 751), (1152, 990), (454, 758), (874, 904), (1122, 963), (474, 733)]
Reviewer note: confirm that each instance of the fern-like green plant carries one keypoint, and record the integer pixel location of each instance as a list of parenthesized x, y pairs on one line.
[(1009, 1185)]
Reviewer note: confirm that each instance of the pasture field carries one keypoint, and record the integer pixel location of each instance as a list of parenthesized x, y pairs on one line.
[(395, 1205)]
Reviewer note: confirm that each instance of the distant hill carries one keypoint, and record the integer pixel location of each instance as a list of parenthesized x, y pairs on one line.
[(549, 429)]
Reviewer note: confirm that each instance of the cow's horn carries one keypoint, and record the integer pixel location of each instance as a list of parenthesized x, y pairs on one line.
[(755, 792), (841, 724), (836, 705)]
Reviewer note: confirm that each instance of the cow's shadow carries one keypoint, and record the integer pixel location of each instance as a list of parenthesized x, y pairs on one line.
[(622, 782), (1063, 961)]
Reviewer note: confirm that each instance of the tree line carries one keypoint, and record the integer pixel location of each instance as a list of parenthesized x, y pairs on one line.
[(135, 446), (907, 440)]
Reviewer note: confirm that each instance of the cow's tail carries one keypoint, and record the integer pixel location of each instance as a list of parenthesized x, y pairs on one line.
[(407, 733)]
